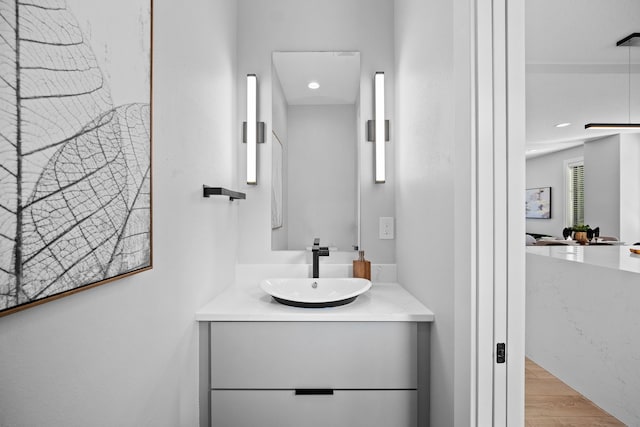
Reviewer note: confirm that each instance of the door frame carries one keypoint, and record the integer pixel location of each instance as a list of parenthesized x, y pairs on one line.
[(498, 130)]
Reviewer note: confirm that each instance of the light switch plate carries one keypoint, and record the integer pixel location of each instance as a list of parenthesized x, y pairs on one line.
[(386, 231)]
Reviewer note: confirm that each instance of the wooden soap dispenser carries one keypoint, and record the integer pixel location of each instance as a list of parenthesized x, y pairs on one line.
[(361, 267)]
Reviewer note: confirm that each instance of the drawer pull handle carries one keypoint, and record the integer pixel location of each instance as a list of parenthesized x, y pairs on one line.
[(314, 391)]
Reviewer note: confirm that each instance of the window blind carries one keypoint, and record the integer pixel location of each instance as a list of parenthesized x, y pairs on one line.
[(576, 193)]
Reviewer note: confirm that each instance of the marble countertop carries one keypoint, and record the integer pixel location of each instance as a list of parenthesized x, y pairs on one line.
[(614, 257), (384, 302)]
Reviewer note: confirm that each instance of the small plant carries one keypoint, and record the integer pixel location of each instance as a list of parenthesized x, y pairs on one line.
[(580, 227)]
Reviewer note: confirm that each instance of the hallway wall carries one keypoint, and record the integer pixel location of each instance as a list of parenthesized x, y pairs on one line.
[(425, 181), (124, 354)]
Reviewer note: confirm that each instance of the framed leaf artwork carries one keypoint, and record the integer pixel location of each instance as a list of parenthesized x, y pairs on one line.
[(75, 146)]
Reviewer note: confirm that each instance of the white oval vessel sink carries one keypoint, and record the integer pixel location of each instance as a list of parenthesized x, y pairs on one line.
[(315, 293)]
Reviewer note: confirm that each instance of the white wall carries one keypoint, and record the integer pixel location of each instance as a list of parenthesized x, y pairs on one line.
[(612, 186), (548, 171), (322, 151), (124, 354), (602, 185), (355, 25), (437, 202), (425, 187), (630, 188)]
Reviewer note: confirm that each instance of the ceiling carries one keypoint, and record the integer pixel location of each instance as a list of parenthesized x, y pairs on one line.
[(575, 73), (337, 73)]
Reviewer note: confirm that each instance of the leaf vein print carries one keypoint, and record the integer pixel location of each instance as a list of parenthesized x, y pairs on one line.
[(75, 169)]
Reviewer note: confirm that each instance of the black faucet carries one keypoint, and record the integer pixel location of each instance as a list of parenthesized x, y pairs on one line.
[(318, 251)]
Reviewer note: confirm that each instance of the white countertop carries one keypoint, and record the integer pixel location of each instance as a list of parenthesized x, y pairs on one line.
[(614, 257), (384, 302)]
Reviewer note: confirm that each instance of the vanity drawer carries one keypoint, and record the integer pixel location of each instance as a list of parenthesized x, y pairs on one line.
[(352, 355), (348, 408)]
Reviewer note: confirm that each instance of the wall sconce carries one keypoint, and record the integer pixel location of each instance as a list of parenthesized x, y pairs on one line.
[(378, 129), (252, 130)]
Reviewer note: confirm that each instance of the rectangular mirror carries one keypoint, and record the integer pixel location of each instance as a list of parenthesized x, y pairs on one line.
[(315, 134)]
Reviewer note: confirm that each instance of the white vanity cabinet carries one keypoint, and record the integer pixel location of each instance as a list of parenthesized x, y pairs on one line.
[(365, 364), (335, 374)]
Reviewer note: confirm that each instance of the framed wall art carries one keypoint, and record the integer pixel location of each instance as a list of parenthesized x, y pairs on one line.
[(538, 203), (75, 146)]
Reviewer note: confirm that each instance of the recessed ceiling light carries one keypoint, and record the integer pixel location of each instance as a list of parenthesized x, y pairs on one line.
[(563, 125), (313, 85)]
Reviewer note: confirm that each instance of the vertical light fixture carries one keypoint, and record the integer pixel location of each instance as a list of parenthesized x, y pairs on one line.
[(378, 129), (253, 131)]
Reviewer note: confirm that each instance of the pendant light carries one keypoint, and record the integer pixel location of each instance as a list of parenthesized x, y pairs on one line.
[(631, 40)]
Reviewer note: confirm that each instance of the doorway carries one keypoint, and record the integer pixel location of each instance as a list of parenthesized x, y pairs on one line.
[(569, 53)]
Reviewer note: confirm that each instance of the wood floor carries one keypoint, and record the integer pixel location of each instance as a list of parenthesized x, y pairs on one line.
[(550, 402)]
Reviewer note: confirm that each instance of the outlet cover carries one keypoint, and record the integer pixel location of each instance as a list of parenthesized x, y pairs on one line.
[(386, 230)]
